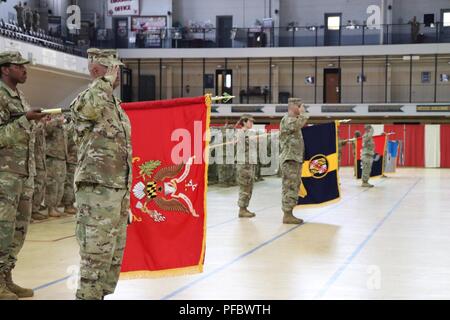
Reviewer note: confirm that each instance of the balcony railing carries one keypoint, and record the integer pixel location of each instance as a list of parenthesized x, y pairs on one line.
[(290, 36)]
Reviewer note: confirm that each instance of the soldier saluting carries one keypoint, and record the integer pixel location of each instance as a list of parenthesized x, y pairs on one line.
[(291, 157), (102, 177), (17, 169)]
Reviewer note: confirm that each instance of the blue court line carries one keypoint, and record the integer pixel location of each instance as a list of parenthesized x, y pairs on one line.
[(361, 246), (207, 275), (192, 283), (51, 283)]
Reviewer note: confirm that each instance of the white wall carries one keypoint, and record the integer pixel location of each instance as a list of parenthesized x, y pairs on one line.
[(244, 12)]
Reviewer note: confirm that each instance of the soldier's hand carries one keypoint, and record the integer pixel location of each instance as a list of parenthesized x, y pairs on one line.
[(34, 114), (302, 108), (112, 74)]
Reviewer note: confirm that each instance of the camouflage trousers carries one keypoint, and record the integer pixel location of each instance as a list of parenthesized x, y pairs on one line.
[(69, 193), (56, 176), (366, 162), (39, 189), (101, 234), (16, 194), (291, 182), (245, 174)]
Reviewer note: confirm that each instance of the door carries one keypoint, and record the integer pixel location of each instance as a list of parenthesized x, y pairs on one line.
[(223, 31), (332, 29), (126, 85), (224, 82), (332, 86), (445, 25), (121, 32), (147, 88)]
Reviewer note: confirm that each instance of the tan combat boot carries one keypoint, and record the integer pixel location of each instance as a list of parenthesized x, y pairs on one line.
[(289, 218), (367, 185), (52, 212), (70, 210), (38, 216), (244, 213), (14, 288), (5, 293)]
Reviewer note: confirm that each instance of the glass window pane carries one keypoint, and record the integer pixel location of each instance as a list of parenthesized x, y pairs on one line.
[(334, 23)]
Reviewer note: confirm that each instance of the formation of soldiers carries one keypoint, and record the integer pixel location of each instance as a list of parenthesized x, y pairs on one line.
[(87, 159), (55, 156), (27, 18)]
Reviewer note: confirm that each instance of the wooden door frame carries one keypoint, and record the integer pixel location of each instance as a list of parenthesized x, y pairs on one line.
[(327, 71)]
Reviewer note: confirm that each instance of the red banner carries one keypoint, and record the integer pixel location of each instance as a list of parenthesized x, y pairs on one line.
[(168, 196)]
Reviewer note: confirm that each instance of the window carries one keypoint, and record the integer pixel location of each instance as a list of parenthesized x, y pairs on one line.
[(334, 23), (446, 18)]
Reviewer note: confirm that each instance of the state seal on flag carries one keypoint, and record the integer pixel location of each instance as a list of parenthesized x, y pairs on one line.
[(318, 166)]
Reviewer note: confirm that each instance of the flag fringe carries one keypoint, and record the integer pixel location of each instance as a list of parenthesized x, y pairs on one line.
[(145, 274)]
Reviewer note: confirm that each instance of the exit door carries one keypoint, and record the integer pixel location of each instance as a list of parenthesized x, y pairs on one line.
[(332, 86)]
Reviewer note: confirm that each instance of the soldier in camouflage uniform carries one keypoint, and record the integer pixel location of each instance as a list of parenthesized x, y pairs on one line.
[(102, 177), (368, 151), (28, 17), (245, 169), (41, 171), (17, 170), (68, 199), (56, 150), (19, 10), (291, 157), (226, 171)]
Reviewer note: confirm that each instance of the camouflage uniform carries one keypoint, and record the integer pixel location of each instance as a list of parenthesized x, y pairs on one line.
[(28, 17), (41, 172), (102, 181), (291, 159), (56, 143), (368, 152), (19, 11), (226, 172), (245, 169), (341, 144), (17, 171), (69, 193)]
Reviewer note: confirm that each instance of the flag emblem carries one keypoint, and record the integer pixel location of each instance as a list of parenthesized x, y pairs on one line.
[(318, 166)]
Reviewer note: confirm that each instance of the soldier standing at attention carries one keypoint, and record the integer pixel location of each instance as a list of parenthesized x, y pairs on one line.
[(102, 183), (56, 143), (17, 170), (19, 11), (71, 163), (368, 151), (291, 157), (245, 170), (41, 171)]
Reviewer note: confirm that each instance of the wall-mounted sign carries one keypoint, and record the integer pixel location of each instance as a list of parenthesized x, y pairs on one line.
[(123, 7), (426, 77)]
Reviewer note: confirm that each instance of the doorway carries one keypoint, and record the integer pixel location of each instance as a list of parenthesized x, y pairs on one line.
[(126, 92), (223, 31), (332, 29), (121, 32), (332, 85), (224, 82)]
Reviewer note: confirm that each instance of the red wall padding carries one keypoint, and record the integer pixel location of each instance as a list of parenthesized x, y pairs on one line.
[(445, 145), (413, 138)]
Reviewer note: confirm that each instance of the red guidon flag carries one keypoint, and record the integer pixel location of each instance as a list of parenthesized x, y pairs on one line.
[(378, 158), (166, 234)]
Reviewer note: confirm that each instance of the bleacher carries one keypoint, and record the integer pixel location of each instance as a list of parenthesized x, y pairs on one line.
[(12, 30)]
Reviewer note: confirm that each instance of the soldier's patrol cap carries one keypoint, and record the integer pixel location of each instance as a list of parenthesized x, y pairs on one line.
[(105, 57), (246, 117), (367, 126), (13, 57), (296, 101)]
